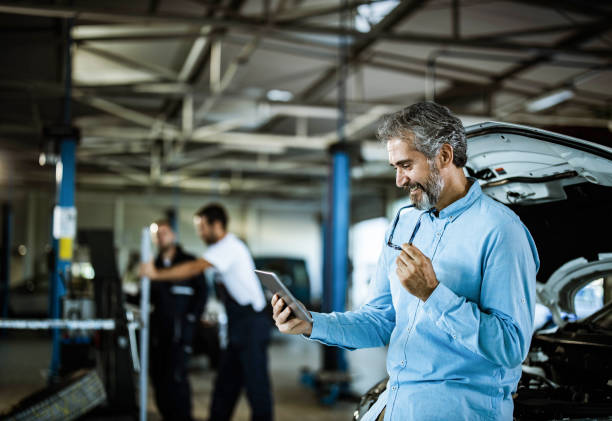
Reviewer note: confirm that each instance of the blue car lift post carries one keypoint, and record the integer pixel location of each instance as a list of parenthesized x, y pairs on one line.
[(332, 382), (64, 213)]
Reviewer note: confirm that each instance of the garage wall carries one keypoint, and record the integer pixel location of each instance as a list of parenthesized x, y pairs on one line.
[(269, 228), (31, 228), (289, 229), (291, 233)]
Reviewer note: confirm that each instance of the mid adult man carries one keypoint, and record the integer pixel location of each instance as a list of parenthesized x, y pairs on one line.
[(454, 291), (245, 361), (176, 308)]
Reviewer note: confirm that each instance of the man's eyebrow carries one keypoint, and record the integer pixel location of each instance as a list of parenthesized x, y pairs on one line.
[(403, 161)]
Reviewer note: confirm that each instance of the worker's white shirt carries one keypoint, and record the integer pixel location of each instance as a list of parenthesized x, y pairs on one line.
[(232, 259)]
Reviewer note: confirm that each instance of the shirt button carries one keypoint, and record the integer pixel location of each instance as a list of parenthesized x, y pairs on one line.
[(403, 363), (438, 234), (393, 387), (454, 336)]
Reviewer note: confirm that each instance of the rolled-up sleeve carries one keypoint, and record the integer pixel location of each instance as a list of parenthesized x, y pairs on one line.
[(369, 326)]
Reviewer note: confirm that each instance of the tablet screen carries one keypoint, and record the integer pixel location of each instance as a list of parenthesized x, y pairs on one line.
[(271, 282)]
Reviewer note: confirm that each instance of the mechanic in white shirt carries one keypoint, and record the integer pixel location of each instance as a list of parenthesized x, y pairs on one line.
[(245, 361)]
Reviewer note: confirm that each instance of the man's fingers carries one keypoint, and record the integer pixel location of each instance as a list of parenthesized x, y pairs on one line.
[(277, 308), (288, 326), (283, 316), (274, 299), (404, 261), (413, 252), (403, 258)]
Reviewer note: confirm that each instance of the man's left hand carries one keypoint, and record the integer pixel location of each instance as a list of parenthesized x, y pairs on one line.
[(415, 272), (148, 269)]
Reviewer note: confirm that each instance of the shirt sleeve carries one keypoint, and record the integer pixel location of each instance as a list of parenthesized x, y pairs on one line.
[(500, 327), (370, 326), (219, 257)]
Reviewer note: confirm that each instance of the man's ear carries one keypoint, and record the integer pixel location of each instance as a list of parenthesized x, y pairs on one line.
[(218, 226), (445, 155)]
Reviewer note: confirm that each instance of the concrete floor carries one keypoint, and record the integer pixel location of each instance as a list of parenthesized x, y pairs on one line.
[(24, 359)]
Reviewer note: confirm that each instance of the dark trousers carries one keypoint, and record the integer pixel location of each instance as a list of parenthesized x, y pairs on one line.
[(169, 358), (244, 364)]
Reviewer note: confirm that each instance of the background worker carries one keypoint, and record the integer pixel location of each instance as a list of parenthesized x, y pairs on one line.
[(245, 361), (177, 307)]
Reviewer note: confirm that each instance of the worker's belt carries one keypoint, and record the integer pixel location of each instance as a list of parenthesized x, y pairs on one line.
[(181, 290)]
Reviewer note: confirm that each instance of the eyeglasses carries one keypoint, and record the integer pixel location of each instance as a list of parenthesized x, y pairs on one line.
[(414, 230)]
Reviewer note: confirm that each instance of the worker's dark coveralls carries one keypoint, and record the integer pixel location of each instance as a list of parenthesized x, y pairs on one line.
[(244, 363), (177, 308)]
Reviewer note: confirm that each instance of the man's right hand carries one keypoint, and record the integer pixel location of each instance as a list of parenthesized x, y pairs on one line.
[(281, 314)]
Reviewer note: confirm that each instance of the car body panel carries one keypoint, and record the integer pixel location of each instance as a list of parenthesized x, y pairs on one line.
[(559, 291), (522, 165)]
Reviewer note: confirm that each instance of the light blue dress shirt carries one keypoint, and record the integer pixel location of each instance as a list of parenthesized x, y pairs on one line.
[(458, 355)]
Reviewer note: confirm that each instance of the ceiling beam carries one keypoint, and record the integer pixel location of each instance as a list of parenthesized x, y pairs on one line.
[(159, 71), (577, 38), (306, 12), (127, 114), (588, 8), (277, 167), (402, 11), (361, 40), (325, 82), (566, 27), (570, 83)]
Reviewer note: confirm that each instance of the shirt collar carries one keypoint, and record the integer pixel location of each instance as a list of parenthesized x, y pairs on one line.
[(457, 207)]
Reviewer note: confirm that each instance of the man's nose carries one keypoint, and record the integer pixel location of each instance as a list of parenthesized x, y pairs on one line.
[(401, 179)]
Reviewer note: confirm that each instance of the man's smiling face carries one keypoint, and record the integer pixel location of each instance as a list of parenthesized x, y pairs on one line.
[(415, 173)]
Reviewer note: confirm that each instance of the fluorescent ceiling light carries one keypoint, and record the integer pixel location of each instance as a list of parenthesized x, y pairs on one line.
[(549, 100), (279, 95), (162, 88), (255, 147), (369, 15)]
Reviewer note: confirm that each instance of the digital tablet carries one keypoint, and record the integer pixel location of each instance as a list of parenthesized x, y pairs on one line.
[(274, 285)]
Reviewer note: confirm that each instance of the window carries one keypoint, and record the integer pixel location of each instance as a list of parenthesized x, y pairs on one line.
[(589, 298)]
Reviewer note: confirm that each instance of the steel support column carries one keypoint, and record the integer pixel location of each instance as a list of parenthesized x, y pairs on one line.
[(337, 249), (64, 214), (145, 292), (336, 235)]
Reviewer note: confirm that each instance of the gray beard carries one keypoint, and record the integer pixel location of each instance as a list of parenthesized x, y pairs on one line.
[(430, 192)]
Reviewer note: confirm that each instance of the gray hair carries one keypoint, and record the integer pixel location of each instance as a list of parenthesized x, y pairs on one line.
[(432, 126)]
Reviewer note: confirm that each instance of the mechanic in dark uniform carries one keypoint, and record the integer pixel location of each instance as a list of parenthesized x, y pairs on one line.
[(244, 364), (177, 307)]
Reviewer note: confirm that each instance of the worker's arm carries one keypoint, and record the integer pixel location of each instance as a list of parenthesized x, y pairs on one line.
[(175, 273)]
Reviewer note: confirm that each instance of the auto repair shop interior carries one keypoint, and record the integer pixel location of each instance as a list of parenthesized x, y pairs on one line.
[(120, 122)]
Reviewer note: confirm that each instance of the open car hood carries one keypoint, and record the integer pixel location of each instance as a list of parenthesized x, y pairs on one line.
[(522, 165), (561, 188)]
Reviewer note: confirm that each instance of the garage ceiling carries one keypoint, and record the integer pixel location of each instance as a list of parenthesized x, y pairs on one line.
[(241, 96)]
